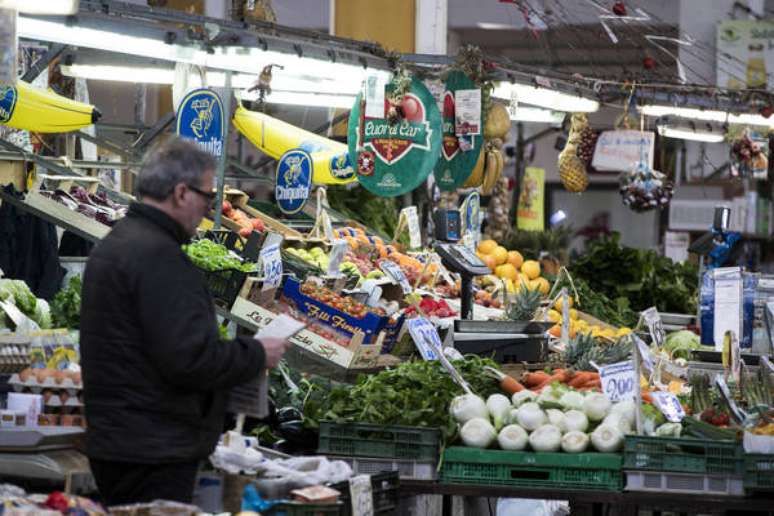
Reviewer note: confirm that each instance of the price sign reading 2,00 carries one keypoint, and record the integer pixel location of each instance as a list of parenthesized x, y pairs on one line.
[(618, 381)]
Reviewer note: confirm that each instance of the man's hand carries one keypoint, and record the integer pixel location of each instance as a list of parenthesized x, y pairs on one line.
[(273, 349)]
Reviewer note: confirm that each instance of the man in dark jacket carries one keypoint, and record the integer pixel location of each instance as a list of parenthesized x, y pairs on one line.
[(155, 371)]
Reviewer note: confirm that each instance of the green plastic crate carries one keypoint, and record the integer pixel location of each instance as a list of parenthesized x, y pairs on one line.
[(599, 471), (683, 454), (299, 509), (388, 442), (759, 472)]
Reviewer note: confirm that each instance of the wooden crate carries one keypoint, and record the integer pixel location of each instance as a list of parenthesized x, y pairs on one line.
[(238, 199), (15, 173)]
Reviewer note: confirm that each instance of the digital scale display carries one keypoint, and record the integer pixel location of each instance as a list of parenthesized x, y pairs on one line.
[(467, 255)]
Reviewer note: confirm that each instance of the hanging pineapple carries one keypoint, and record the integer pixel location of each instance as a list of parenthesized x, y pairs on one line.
[(572, 169)]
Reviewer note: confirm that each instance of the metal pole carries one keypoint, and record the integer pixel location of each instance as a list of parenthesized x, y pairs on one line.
[(224, 155)]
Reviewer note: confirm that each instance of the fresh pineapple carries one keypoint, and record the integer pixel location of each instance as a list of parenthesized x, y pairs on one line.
[(524, 305), (584, 349), (572, 169)]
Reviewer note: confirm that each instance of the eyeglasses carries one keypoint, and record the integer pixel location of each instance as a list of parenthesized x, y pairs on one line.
[(210, 196)]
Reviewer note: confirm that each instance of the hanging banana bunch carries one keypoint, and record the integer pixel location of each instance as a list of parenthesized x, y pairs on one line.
[(572, 169), (490, 164)]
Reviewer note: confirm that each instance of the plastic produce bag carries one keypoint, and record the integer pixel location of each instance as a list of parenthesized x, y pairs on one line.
[(233, 461)]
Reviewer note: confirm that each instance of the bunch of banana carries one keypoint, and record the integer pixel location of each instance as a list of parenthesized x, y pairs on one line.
[(493, 170)]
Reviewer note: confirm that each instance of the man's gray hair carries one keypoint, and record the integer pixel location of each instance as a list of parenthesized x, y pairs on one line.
[(171, 162)]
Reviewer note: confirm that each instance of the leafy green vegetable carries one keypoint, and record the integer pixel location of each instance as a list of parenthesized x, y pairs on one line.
[(42, 314), (211, 256), (679, 344), (378, 213), (20, 294), (414, 393), (66, 305), (642, 277)]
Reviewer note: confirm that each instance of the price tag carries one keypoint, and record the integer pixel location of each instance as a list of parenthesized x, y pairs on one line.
[(513, 105), (655, 326), (669, 405), (336, 256), (374, 94), (467, 112), (425, 337), (271, 261), (412, 219), (618, 381), (394, 271), (361, 495), (645, 354)]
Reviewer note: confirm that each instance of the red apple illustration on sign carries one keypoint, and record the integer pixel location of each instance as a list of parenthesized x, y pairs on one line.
[(412, 109)]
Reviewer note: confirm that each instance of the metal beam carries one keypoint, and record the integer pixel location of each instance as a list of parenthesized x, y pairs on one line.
[(54, 51), (150, 134), (107, 145)]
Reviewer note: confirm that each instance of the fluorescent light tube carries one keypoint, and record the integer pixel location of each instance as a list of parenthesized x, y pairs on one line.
[(546, 98), (304, 99), (55, 7), (539, 115), (707, 115), (682, 133)]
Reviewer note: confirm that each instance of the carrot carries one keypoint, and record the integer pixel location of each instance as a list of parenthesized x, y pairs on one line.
[(510, 385), (560, 377), (646, 397), (534, 379), (581, 378)]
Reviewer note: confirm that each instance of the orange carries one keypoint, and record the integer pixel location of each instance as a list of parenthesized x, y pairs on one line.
[(489, 261), (531, 269), (556, 331), (352, 242), (487, 246), (506, 270), (515, 258), (542, 285), (500, 255)]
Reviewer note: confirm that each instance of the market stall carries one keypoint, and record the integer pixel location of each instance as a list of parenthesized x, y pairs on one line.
[(440, 348)]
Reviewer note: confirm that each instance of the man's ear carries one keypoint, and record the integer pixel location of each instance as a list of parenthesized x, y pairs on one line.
[(178, 193)]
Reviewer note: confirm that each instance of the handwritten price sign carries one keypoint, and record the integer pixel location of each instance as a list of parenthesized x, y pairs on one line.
[(394, 271), (272, 266), (669, 405), (618, 381), (425, 337)]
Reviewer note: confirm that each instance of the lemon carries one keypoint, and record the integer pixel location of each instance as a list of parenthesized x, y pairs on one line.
[(558, 304), (573, 313), (531, 269), (554, 316)]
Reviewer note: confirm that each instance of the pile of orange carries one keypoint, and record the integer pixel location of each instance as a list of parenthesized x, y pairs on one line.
[(511, 267)]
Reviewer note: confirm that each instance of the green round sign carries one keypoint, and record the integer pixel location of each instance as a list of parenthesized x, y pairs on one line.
[(394, 158), (458, 154)]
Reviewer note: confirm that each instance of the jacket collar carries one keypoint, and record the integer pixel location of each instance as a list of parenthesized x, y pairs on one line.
[(159, 218)]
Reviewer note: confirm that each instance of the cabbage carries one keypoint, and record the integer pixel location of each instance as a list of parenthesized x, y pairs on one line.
[(680, 343), (21, 295), (42, 314)]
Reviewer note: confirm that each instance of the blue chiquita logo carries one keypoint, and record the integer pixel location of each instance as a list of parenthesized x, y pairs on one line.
[(294, 180), (200, 118), (8, 98)]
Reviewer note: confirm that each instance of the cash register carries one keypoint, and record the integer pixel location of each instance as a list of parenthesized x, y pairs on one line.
[(456, 257)]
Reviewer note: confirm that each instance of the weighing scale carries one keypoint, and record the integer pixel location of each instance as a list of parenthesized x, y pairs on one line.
[(457, 257)]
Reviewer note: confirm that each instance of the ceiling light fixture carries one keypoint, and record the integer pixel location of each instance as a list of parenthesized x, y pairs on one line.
[(546, 98), (707, 115)]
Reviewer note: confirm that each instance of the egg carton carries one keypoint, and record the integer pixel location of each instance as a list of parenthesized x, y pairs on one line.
[(56, 402), (37, 387)]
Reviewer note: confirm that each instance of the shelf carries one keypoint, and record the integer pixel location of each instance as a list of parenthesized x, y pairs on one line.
[(58, 214)]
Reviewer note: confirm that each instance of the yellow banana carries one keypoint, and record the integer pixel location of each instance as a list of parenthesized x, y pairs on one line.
[(500, 164), (490, 173), (274, 137), (476, 177), (25, 107)]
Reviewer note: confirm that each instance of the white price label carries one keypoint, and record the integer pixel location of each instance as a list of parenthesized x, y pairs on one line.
[(618, 381), (669, 405), (336, 256), (374, 94), (361, 495), (415, 234), (394, 271), (655, 326), (425, 337), (272, 266), (467, 112)]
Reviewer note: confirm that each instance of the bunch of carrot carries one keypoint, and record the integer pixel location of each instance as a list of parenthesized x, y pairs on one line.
[(580, 380)]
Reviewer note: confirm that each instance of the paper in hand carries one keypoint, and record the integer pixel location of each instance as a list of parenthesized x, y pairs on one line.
[(283, 327)]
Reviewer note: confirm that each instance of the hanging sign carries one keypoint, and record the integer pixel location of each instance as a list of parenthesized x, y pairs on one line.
[(8, 46), (200, 118), (395, 158), (293, 180), (530, 216), (460, 145), (622, 150)]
